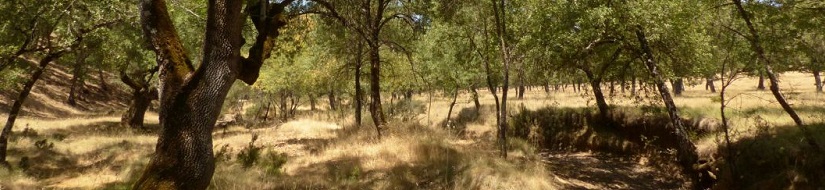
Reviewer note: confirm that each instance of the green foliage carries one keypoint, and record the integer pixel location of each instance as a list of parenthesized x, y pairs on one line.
[(250, 154)]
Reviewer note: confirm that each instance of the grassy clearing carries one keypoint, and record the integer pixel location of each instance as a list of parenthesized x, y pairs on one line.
[(322, 150)]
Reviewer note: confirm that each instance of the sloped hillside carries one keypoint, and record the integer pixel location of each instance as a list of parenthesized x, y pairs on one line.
[(49, 95)]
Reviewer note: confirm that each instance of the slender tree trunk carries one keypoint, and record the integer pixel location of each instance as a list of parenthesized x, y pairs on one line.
[(375, 87), (595, 83), (103, 84), (77, 72), (761, 85), (817, 81), (521, 87), (359, 92), (500, 18), (686, 152), (475, 97), (633, 86), (332, 101), (18, 104), (452, 105), (312, 101), (760, 52)]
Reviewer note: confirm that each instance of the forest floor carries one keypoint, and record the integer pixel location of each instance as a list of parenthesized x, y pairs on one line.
[(61, 147)]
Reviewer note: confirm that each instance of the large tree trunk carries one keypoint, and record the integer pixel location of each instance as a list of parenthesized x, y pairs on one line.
[(142, 96), (133, 117), (191, 100), (18, 104), (817, 81), (686, 152), (766, 63)]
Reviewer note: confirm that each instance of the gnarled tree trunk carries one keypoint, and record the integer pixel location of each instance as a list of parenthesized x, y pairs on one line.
[(190, 99), (142, 96)]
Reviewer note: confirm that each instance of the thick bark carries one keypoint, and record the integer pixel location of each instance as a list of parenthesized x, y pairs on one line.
[(18, 103), (191, 100), (766, 63), (686, 152), (817, 81)]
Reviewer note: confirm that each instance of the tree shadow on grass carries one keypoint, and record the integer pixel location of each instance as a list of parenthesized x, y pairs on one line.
[(775, 158)]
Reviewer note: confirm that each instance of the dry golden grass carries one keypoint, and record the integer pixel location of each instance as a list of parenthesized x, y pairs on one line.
[(323, 150)]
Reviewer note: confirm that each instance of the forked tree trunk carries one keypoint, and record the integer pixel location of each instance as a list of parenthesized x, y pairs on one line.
[(18, 104), (142, 96), (190, 99), (686, 152), (133, 117), (766, 63)]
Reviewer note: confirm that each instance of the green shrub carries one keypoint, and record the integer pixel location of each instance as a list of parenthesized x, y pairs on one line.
[(249, 155)]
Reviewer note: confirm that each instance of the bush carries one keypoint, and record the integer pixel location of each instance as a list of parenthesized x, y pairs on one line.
[(249, 154), (274, 162)]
